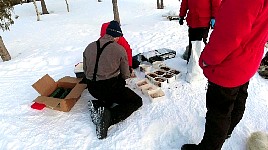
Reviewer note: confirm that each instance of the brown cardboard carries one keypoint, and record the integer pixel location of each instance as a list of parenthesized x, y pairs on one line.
[(46, 85)]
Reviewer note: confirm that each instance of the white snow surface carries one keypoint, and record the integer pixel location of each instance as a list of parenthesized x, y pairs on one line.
[(56, 43)]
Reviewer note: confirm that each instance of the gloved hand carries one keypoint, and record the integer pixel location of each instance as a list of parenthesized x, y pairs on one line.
[(181, 20), (212, 23), (84, 81)]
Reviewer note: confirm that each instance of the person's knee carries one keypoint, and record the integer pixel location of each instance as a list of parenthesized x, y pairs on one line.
[(139, 103), (133, 99)]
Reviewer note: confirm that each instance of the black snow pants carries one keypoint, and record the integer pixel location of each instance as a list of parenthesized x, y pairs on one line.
[(225, 109), (113, 91)]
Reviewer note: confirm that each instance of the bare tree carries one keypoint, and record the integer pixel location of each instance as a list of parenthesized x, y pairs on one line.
[(36, 10), (67, 6), (3, 51), (115, 10), (44, 7), (6, 8), (162, 4)]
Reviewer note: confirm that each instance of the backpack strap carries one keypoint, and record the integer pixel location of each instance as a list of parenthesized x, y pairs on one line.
[(99, 52)]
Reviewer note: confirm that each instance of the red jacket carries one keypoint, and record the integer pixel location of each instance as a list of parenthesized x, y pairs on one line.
[(236, 45), (122, 41), (199, 11)]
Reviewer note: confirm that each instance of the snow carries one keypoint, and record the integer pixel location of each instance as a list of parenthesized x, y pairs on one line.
[(55, 44)]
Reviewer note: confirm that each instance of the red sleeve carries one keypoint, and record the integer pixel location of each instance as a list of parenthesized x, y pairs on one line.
[(234, 23), (123, 42), (103, 29), (215, 7), (184, 8)]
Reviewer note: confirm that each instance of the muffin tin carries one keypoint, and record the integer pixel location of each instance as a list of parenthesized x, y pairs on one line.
[(155, 93), (149, 89), (142, 82), (162, 76), (157, 76)]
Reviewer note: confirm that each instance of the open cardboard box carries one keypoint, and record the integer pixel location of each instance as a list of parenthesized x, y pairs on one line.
[(46, 85)]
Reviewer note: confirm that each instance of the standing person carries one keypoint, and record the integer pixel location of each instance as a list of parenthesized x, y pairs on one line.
[(231, 57), (200, 16), (105, 65), (133, 63)]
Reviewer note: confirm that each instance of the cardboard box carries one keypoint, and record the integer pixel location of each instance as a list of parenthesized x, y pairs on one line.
[(46, 85)]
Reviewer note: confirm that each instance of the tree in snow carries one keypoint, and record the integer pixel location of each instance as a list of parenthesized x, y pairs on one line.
[(115, 10), (44, 7), (160, 4), (6, 8)]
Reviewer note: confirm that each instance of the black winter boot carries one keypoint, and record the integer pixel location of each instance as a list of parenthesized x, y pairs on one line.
[(103, 122), (185, 55), (93, 106), (228, 136), (189, 147)]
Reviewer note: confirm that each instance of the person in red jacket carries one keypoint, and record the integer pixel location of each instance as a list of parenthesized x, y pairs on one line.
[(200, 16), (229, 60), (123, 42)]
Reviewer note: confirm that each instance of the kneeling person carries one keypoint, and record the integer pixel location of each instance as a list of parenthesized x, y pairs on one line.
[(105, 64)]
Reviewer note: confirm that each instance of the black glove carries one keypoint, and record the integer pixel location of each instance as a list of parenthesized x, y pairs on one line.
[(181, 20), (212, 22), (84, 81), (130, 69)]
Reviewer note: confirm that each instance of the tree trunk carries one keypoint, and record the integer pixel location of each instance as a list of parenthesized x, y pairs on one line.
[(158, 4), (99, 0), (115, 10), (3, 51), (44, 7), (162, 4), (36, 10), (67, 6)]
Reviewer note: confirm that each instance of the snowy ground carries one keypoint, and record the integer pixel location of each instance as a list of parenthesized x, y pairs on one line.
[(55, 44)]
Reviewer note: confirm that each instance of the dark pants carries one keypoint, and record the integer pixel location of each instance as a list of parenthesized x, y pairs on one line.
[(264, 61), (225, 109), (197, 34), (136, 61), (113, 91)]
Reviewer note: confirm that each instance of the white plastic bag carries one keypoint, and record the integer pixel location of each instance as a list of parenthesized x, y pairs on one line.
[(194, 71)]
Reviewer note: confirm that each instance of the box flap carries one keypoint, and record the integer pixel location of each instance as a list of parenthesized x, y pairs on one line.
[(76, 91), (45, 86), (66, 84), (50, 102), (69, 79)]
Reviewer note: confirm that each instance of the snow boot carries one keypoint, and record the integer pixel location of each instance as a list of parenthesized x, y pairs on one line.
[(263, 73), (189, 147), (102, 122), (185, 55), (93, 106)]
